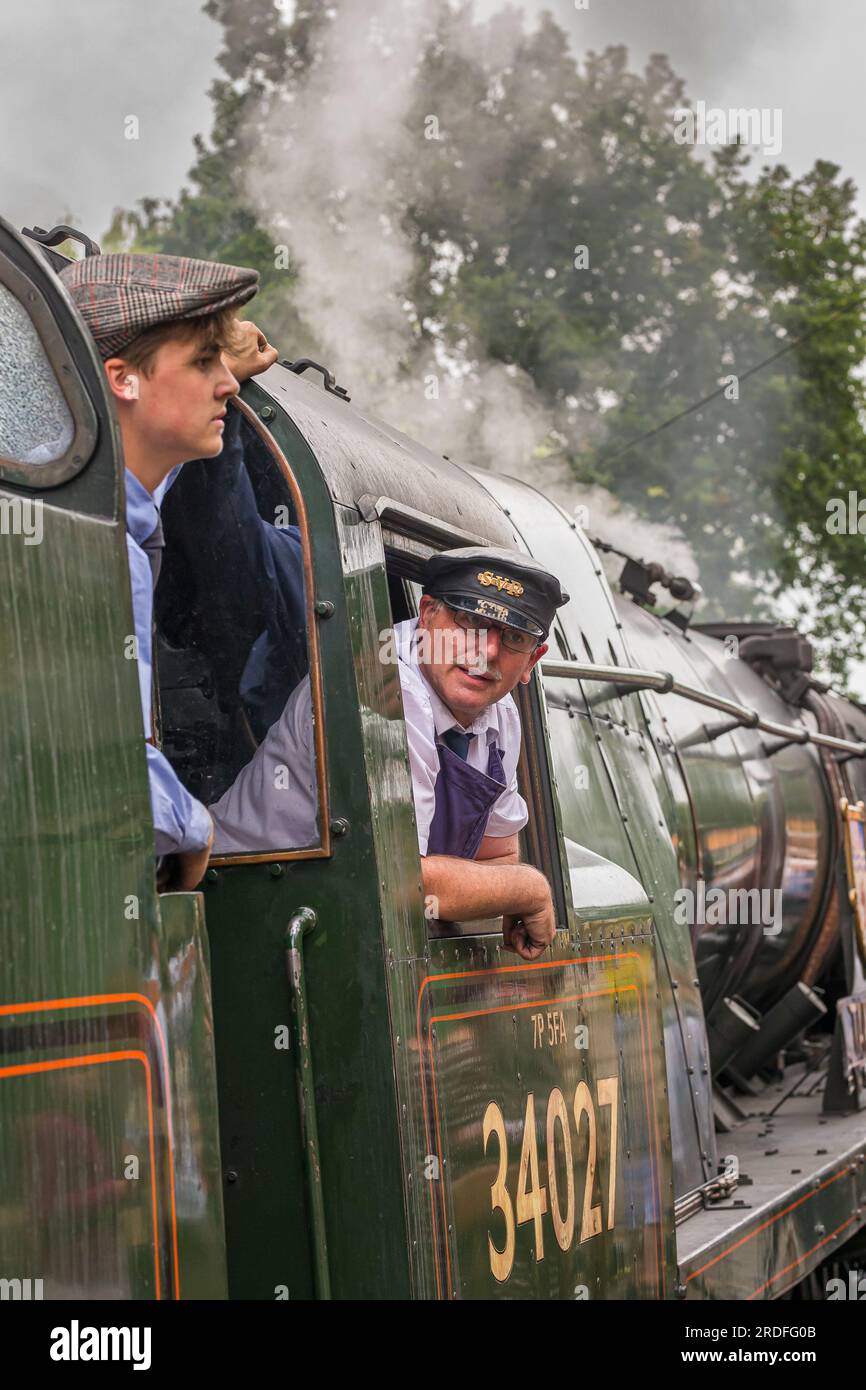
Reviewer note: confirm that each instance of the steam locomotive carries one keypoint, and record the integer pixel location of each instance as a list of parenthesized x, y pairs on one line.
[(295, 1083)]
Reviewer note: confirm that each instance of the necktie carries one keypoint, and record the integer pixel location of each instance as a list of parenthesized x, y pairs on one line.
[(458, 742), (153, 547)]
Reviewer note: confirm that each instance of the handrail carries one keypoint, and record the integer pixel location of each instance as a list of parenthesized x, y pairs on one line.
[(389, 511), (662, 682), (302, 922)]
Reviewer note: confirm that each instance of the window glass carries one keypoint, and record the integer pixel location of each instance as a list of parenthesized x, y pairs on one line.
[(36, 426), (236, 708)]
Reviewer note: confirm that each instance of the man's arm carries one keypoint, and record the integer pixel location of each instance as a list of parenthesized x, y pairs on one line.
[(498, 849), (466, 889)]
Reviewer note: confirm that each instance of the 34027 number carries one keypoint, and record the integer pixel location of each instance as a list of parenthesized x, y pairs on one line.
[(531, 1201)]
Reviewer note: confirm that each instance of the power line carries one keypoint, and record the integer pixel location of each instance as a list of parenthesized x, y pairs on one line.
[(741, 376)]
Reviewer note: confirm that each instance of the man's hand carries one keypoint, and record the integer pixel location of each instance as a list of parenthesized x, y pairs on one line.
[(254, 353), (530, 933), (181, 873), (466, 890)]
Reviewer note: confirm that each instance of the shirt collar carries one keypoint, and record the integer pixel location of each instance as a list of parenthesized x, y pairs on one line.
[(142, 507), (443, 718)]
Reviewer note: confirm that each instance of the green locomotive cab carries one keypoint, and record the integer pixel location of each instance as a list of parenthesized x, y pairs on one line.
[(327, 1091)]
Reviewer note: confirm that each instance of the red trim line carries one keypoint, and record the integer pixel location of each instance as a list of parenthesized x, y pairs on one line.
[(94, 1059), (506, 970), (86, 1001)]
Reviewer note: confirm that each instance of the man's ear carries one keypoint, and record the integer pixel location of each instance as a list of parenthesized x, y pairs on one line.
[(425, 608), (533, 661), (123, 380)]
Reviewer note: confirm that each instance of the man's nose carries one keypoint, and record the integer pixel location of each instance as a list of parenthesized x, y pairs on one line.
[(228, 385), (492, 642)]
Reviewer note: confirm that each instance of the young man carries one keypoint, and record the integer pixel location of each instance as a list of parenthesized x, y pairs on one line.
[(484, 615), (173, 353)]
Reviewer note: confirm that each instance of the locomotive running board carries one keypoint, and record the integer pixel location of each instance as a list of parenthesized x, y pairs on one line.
[(800, 1206)]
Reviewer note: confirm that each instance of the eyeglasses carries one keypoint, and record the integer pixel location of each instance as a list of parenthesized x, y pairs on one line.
[(512, 637)]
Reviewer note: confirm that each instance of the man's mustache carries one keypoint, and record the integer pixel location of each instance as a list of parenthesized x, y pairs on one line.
[(491, 673)]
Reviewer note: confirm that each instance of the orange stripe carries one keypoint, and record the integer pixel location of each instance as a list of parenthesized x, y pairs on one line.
[(502, 970), (464, 974), (85, 1001), (801, 1258), (807, 1196), (479, 1013), (655, 1157), (528, 1004), (94, 1059)]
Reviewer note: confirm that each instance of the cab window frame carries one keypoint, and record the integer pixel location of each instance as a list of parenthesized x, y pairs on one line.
[(323, 849), (404, 559), (70, 383)]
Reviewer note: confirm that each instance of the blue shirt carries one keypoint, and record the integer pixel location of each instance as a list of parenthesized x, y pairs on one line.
[(180, 822)]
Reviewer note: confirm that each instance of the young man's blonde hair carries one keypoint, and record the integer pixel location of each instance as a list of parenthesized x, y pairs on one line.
[(212, 331)]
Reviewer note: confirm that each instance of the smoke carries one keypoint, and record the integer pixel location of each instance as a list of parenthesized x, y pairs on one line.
[(620, 525), (337, 146), (331, 160)]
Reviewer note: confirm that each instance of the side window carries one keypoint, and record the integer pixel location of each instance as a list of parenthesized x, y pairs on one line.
[(36, 425), (240, 709), (537, 840), (47, 421)]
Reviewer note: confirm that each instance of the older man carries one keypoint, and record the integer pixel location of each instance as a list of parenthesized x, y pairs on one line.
[(484, 616)]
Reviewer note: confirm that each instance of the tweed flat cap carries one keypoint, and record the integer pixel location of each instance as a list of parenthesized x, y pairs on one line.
[(122, 294)]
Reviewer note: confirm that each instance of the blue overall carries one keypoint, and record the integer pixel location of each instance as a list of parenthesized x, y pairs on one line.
[(464, 800)]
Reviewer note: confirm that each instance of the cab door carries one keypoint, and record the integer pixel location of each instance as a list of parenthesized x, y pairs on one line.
[(537, 1151), (108, 1139)]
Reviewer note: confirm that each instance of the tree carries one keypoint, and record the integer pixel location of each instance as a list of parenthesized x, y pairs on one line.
[(544, 234)]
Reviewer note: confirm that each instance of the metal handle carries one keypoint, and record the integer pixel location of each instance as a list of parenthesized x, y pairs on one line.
[(59, 234), (300, 925), (302, 364)]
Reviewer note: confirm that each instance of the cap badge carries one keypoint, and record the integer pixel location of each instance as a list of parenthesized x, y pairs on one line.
[(486, 609), (508, 586)]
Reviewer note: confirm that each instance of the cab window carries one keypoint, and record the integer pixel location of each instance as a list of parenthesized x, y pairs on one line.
[(537, 841), (239, 690)]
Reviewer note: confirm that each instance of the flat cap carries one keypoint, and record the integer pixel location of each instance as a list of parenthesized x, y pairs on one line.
[(502, 585), (122, 294)]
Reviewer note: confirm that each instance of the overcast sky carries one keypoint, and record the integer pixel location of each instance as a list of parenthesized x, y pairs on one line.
[(71, 71)]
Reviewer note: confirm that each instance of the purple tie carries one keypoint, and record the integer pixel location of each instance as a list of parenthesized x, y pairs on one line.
[(458, 742)]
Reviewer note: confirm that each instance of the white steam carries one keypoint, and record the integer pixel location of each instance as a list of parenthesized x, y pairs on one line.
[(324, 179)]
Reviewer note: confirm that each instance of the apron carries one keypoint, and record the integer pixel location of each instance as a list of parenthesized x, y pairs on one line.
[(464, 800)]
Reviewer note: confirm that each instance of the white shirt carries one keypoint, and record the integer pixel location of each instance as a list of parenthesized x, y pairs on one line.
[(427, 718), (272, 802)]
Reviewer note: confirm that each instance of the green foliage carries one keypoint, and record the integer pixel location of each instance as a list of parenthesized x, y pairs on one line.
[(698, 269)]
